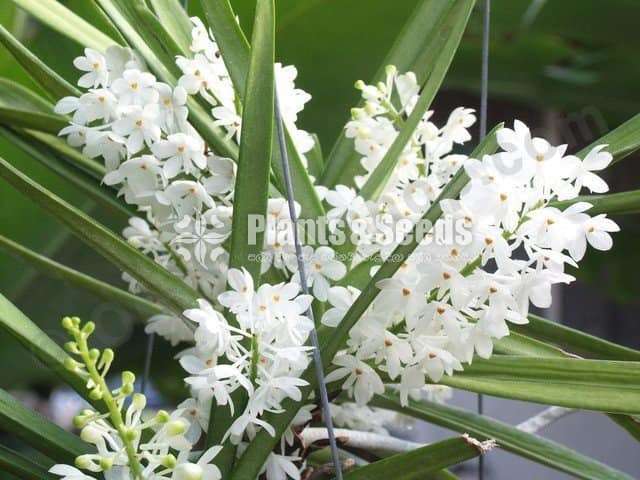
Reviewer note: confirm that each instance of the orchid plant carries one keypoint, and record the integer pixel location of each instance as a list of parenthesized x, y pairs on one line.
[(422, 256)]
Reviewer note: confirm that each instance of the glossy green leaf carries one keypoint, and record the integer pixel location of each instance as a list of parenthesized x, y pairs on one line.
[(60, 18), (170, 290), (408, 53), (575, 341), (608, 386), (510, 438), (622, 141), (143, 308), (517, 344), (443, 43), (39, 432), (252, 180), (252, 186), (18, 97), (175, 20), (23, 467), (102, 195), (235, 52), (52, 84), (38, 121), (623, 203), (417, 464)]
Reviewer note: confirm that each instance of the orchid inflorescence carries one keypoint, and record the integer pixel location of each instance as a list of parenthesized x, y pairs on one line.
[(449, 301)]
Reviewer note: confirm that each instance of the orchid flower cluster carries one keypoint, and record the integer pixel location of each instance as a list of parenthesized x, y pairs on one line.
[(453, 297), (450, 300)]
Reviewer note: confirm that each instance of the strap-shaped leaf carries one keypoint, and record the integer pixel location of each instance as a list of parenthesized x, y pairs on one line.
[(622, 203), (103, 196), (236, 52), (517, 344), (169, 289), (175, 20), (608, 386), (574, 340), (510, 438), (39, 432), (446, 36), (252, 183), (63, 20), (417, 464), (252, 186), (23, 467), (39, 121), (21, 107), (622, 141), (408, 53), (52, 84), (51, 268)]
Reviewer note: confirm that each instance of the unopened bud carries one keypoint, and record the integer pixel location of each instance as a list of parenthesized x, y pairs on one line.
[(139, 401), (176, 427), (90, 434), (360, 85), (67, 323), (162, 416), (71, 347), (88, 328), (391, 69), (95, 394), (168, 461), (83, 462), (128, 377), (106, 463)]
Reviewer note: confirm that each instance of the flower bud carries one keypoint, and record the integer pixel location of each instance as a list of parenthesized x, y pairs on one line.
[(188, 471), (67, 323), (71, 365), (176, 427), (127, 389), (106, 463), (168, 461), (88, 328), (130, 434), (360, 85), (139, 401), (94, 353), (128, 378), (71, 347), (83, 462), (90, 434), (391, 70), (162, 416), (95, 394)]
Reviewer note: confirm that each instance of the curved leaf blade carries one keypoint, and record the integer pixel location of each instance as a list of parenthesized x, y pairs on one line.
[(417, 464), (171, 291), (25, 468), (53, 269), (39, 432), (608, 386), (63, 20), (509, 438)]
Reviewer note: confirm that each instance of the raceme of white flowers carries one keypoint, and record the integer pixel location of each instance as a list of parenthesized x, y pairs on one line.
[(448, 302)]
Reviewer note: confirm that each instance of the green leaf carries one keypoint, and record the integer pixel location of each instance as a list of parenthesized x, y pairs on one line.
[(101, 195), (509, 438), (315, 157), (18, 97), (23, 467), (68, 153), (517, 344), (52, 84), (445, 38), (175, 20), (63, 20), (38, 121), (252, 188), (138, 305), (415, 465), (574, 340), (622, 141), (171, 291), (623, 203), (233, 44), (408, 53), (252, 180), (256, 453), (39, 432), (608, 386), (236, 52)]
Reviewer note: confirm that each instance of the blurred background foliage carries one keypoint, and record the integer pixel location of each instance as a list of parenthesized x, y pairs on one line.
[(568, 67)]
